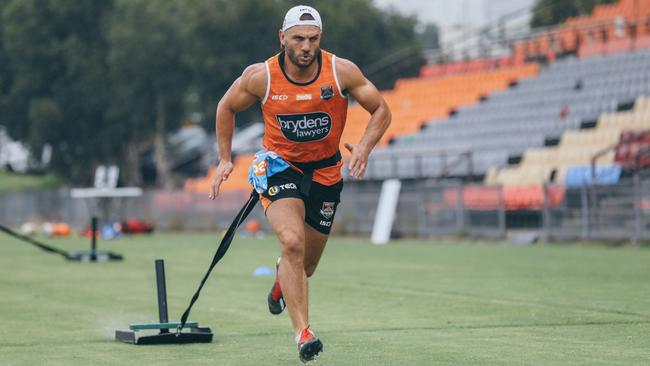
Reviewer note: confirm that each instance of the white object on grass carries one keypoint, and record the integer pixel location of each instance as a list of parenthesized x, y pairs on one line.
[(386, 211)]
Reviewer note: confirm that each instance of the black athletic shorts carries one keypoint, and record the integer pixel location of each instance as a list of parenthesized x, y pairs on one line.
[(320, 205)]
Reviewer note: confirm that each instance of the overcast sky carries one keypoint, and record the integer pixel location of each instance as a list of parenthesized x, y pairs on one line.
[(446, 13)]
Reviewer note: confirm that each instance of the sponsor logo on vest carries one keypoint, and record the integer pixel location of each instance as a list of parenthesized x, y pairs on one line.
[(326, 92), (279, 97), (305, 127), (303, 97), (276, 189), (327, 210)]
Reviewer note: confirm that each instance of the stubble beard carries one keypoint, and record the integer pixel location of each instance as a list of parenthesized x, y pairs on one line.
[(294, 58)]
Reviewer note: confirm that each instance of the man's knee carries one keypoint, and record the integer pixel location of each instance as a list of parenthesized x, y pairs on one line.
[(293, 244)]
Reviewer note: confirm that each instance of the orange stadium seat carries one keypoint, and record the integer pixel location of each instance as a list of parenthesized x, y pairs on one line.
[(238, 179), (415, 101), (479, 198), (611, 19), (468, 66), (532, 197), (485, 198)]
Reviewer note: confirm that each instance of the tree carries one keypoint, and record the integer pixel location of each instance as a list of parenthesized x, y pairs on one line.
[(382, 43), (5, 75), (102, 81), (228, 35), (428, 37), (148, 77), (56, 56), (552, 12), (224, 37)]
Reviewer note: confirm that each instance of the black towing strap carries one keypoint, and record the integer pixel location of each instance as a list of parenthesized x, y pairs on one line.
[(221, 251), (27, 239)]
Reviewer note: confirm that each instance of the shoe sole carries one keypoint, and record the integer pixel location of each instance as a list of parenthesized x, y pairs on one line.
[(310, 349), (275, 307)]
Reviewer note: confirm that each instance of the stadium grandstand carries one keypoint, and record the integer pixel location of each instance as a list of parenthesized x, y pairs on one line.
[(502, 219), (501, 141)]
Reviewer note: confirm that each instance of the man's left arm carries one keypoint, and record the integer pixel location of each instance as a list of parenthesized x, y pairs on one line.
[(367, 95)]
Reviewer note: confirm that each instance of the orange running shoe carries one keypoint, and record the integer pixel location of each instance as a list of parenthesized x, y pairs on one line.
[(308, 345)]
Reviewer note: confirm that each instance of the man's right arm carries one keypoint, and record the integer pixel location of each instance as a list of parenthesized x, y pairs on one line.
[(248, 88)]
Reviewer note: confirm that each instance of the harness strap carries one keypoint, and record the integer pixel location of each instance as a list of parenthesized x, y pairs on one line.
[(309, 168), (221, 251)]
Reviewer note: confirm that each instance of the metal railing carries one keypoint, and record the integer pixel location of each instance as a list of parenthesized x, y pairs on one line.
[(422, 163), (426, 208), (429, 208)]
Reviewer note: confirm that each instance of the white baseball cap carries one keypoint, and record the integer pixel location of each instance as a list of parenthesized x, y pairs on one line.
[(294, 14)]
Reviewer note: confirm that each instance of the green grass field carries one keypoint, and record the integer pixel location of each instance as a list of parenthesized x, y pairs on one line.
[(408, 303), (13, 182)]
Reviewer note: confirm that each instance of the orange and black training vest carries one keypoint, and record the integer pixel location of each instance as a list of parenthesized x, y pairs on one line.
[(304, 121)]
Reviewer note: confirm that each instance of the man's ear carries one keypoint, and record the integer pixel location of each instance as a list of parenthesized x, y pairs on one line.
[(281, 37)]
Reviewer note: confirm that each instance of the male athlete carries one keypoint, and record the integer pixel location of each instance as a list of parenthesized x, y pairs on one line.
[(304, 95)]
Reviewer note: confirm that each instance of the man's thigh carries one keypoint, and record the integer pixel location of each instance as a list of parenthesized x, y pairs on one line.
[(320, 209), (315, 242), (321, 205), (286, 217), (285, 184)]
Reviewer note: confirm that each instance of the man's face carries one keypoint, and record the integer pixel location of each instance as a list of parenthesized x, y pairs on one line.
[(301, 43)]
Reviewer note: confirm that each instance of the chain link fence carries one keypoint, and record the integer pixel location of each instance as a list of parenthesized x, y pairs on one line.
[(169, 210), (432, 208), (426, 208)]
